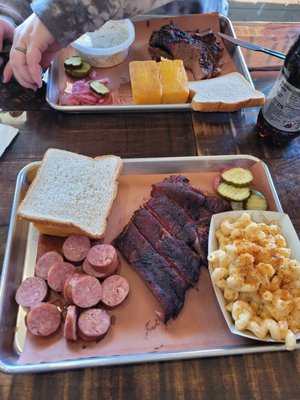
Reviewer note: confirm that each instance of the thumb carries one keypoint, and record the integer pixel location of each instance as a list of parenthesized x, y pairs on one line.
[(7, 73)]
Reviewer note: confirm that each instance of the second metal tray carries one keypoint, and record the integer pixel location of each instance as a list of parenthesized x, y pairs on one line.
[(52, 93)]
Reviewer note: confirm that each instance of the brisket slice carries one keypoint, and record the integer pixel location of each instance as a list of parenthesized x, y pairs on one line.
[(177, 187), (200, 53), (178, 254), (168, 287), (197, 204), (178, 223)]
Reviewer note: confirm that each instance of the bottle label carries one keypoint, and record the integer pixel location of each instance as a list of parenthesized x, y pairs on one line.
[(282, 107)]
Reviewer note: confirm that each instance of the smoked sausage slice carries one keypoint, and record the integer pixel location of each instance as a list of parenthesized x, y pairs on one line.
[(32, 291), (43, 319), (76, 247), (90, 270), (93, 324), (103, 257), (45, 262), (70, 327), (83, 290), (115, 289), (58, 273)]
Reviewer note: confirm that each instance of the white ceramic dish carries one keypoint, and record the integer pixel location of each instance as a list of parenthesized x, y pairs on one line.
[(289, 233), (108, 46)]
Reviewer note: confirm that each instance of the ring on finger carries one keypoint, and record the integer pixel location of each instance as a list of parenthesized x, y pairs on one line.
[(21, 49)]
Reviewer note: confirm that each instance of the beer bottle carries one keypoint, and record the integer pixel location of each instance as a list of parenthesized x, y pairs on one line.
[(279, 118)]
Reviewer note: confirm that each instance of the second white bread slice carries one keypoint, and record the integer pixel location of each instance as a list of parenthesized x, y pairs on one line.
[(72, 193), (225, 93)]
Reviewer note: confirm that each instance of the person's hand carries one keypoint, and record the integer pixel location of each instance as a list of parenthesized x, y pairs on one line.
[(32, 50), (6, 32)]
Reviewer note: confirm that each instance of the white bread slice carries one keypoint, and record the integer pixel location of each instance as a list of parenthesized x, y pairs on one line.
[(229, 92), (72, 193)]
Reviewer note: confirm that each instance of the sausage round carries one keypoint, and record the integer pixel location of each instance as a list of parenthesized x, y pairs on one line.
[(45, 262), (82, 290), (115, 289), (90, 270), (102, 257), (43, 319), (93, 324), (76, 247), (58, 273), (70, 327), (32, 291)]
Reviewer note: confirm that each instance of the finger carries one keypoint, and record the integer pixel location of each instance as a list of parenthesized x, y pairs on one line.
[(33, 57), (21, 76), (22, 80), (10, 34), (20, 69), (7, 73)]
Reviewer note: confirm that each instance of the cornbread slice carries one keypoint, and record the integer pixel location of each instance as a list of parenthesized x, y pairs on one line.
[(175, 88), (145, 82)]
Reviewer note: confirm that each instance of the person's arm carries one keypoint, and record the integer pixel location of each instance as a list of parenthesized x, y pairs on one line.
[(66, 20), (56, 23)]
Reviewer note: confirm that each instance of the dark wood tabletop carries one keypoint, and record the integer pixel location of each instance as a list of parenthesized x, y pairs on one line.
[(274, 375)]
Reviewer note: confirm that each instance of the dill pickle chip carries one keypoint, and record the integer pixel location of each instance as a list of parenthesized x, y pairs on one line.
[(81, 72), (238, 177), (99, 88), (74, 62), (232, 193), (256, 201)]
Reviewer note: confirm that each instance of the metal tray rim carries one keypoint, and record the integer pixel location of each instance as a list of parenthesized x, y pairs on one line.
[(11, 368)]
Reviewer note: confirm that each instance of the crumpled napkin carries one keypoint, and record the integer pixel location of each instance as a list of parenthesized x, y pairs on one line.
[(7, 133)]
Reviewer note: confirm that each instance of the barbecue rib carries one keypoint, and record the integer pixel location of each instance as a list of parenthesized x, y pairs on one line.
[(200, 53)]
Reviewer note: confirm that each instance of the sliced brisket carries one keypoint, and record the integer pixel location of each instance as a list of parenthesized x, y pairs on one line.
[(201, 53), (166, 239), (178, 254), (178, 223), (166, 284), (196, 203)]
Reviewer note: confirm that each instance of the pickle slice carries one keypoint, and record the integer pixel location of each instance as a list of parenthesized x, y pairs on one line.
[(74, 62), (99, 88), (232, 193), (238, 177), (256, 201), (81, 72)]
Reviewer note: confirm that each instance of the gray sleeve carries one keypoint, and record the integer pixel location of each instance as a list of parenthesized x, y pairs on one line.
[(15, 10), (69, 19)]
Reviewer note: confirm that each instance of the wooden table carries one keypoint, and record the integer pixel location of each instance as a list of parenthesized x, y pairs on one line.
[(257, 376)]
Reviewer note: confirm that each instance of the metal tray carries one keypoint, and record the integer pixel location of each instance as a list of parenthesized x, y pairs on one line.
[(19, 255), (52, 92)]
